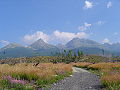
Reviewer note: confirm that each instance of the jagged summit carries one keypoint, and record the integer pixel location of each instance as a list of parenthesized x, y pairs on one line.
[(40, 44)]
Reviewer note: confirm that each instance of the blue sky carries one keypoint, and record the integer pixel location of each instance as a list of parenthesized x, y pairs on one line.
[(58, 21)]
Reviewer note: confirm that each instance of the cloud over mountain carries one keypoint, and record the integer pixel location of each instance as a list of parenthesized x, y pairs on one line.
[(30, 38), (55, 37)]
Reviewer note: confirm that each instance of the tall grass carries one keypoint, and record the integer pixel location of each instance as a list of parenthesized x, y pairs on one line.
[(82, 64), (111, 81), (40, 76), (105, 66)]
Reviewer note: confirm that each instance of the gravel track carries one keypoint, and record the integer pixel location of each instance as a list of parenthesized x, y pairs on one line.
[(80, 80)]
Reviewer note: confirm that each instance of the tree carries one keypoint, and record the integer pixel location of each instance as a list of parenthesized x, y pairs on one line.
[(65, 52), (79, 53), (82, 54), (70, 54)]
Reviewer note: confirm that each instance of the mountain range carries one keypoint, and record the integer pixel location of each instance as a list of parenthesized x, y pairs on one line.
[(41, 48)]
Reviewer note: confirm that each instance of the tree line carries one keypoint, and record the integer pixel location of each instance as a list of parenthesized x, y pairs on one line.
[(69, 56)]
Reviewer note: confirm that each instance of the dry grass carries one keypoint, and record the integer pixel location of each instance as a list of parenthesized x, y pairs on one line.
[(43, 70), (82, 64), (104, 66), (111, 78), (42, 75)]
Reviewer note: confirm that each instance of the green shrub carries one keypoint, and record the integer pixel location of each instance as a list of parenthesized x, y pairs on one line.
[(24, 76), (45, 82), (111, 86)]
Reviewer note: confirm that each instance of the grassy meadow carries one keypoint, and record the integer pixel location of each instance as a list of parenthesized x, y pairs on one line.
[(26, 76), (42, 71)]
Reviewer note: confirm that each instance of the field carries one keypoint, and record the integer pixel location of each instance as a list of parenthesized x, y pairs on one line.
[(40, 72), (26, 76), (109, 73)]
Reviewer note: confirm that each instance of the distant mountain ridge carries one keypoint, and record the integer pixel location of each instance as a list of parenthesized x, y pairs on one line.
[(41, 48), (76, 43), (38, 48), (15, 50), (12, 45), (112, 47)]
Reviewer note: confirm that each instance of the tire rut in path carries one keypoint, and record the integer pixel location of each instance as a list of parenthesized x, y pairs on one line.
[(80, 80)]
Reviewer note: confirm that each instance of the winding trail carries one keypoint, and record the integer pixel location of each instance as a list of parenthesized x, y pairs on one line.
[(80, 80)]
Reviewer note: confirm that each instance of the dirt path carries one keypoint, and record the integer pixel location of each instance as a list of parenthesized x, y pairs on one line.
[(80, 80)]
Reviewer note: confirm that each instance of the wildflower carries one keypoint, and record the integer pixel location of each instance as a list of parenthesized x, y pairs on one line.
[(13, 80)]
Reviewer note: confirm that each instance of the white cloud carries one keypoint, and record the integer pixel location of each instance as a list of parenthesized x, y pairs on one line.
[(64, 37), (35, 36), (109, 4), (88, 4), (55, 37), (106, 40), (100, 22), (85, 26), (4, 43)]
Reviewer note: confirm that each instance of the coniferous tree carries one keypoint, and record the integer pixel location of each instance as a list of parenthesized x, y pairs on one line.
[(70, 53), (65, 52), (75, 57), (79, 53)]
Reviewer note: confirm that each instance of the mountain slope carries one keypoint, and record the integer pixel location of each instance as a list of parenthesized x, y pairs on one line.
[(112, 47), (11, 45), (61, 46), (16, 50), (44, 48), (40, 45), (93, 51), (76, 42)]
